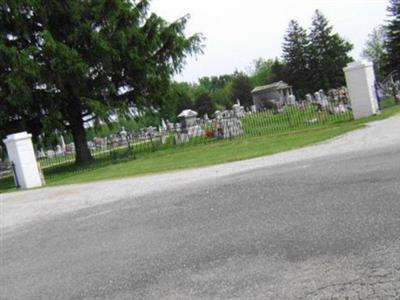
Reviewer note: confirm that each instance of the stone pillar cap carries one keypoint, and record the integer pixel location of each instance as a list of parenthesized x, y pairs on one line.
[(358, 65), (17, 137)]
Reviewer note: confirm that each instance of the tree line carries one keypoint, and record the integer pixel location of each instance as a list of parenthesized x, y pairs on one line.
[(310, 62)]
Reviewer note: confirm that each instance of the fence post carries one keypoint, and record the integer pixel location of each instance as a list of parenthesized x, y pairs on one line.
[(21, 153)]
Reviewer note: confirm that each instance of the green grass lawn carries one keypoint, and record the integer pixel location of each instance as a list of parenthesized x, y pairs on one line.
[(200, 155)]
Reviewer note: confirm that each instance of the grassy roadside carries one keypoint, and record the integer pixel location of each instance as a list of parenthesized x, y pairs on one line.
[(193, 156)]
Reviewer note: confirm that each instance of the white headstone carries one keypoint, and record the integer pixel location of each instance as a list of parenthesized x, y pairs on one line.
[(59, 150), (40, 154), (324, 99), (21, 153), (50, 153), (317, 97), (291, 99), (360, 79), (238, 111), (62, 143), (164, 125)]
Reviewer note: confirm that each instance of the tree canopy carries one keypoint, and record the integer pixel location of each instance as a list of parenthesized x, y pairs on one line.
[(63, 62), (204, 105), (261, 71), (393, 37), (241, 89)]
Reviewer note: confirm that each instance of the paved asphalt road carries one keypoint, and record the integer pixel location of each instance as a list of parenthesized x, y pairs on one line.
[(326, 228)]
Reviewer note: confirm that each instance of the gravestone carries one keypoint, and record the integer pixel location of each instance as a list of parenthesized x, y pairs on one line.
[(21, 153), (70, 148), (164, 126), (59, 151), (190, 125), (162, 131), (50, 154), (62, 143), (324, 99), (238, 110), (291, 99), (360, 79), (317, 97), (40, 154)]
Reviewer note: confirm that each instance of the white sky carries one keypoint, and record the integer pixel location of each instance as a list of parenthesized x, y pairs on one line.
[(238, 31)]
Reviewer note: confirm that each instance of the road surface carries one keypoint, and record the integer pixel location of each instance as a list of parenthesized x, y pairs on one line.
[(316, 223)]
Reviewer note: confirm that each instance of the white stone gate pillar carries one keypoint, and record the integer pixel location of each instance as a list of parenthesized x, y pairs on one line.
[(360, 79), (21, 153)]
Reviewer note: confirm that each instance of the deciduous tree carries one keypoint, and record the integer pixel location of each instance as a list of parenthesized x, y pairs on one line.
[(204, 105), (375, 51), (261, 71), (241, 89)]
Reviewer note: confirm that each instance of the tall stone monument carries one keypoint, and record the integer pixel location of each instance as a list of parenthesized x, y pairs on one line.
[(360, 79), (21, 154)]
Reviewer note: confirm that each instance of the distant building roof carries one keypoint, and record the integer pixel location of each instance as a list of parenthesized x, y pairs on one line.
[(280, 85), (188, 113)]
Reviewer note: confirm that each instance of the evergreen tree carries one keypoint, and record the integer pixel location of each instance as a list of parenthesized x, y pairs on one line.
[(66, 61), (393, 37), (295, 56), (328, 55)]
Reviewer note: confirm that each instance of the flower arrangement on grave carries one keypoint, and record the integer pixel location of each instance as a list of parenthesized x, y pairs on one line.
[(209, 130)]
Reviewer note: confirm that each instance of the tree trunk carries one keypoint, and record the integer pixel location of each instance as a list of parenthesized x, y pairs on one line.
[(82, 151)]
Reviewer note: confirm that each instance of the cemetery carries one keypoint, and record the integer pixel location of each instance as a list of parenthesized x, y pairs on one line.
[(237, 122), (288, 115), (82, 121)]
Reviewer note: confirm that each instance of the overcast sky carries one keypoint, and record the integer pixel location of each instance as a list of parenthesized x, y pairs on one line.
[(239, 31)]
